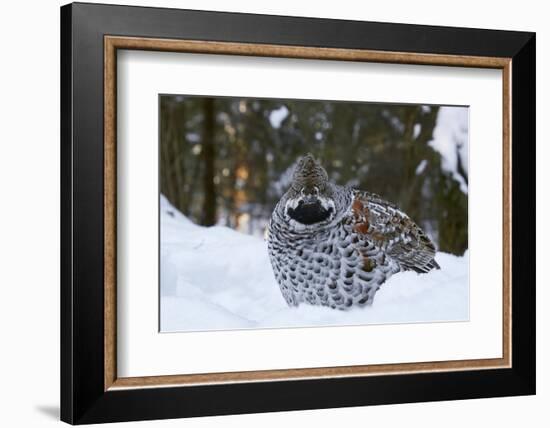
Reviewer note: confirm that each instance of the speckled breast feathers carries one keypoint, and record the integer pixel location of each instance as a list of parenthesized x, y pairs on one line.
[(335, 246)]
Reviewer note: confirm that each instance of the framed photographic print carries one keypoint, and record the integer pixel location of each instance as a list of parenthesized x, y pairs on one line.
[(265, 213)]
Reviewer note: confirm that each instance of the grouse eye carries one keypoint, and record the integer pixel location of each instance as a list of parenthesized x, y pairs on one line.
[(300, 203)]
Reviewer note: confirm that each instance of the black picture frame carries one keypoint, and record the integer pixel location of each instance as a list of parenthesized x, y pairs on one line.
[(83, 396)]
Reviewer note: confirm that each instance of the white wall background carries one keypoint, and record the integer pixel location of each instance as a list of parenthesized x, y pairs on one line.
[(29, 213)]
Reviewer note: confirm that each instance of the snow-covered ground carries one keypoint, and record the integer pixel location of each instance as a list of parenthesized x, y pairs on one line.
[(218, 279)]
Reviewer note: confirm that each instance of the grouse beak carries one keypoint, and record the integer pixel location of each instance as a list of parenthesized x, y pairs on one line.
[(309, 196)]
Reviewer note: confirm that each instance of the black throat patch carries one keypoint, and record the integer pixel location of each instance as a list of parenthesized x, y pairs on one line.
[(310, 213)]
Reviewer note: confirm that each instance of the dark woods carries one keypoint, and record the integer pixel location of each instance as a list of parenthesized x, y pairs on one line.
[(228, 160)]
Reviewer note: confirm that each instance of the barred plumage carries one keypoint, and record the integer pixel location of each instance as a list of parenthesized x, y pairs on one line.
[(335, 246)]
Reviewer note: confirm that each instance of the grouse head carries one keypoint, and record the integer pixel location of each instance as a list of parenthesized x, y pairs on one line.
[(311, 199)]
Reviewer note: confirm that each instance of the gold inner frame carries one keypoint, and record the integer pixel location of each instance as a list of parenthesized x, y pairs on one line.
[(112, 43)]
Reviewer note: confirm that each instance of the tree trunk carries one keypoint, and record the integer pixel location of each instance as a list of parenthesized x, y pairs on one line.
[(208, 156)]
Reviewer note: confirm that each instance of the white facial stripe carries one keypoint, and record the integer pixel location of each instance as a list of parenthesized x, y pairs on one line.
[(327, 203), (291, 203)]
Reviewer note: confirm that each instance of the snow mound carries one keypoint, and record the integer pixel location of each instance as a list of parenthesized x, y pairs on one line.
[(218, 279)]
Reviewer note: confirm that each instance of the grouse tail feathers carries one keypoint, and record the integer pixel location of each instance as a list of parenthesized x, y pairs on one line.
[(426, 268)]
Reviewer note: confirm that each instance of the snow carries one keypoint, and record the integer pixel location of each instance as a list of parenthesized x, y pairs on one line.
[(416, 130), (450, 139), (421, 166), (277, 116), (192, 137), (218, 279)]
